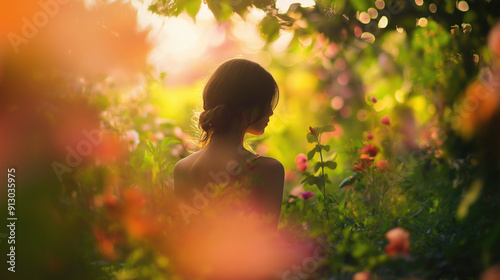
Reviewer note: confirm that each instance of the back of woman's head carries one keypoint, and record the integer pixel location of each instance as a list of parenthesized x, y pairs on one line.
[(232, 93)]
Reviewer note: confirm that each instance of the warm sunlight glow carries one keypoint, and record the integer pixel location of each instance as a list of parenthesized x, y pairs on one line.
[(283, 5), (178, 40)]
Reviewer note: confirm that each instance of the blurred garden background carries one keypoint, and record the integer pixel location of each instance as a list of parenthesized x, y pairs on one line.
[(388, 127)]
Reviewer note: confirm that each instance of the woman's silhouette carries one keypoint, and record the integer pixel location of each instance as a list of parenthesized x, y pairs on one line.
[(238, 98)]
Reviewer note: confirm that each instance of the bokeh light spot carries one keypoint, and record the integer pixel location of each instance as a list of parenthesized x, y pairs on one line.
[(422, 22), (431, 109), (372, 13), (337, 102), (380, 4), (433, 8), (382, 23), (463, 6), (364, 17)]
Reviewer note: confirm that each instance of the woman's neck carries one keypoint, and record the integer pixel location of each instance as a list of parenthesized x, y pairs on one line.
[(230, 140)]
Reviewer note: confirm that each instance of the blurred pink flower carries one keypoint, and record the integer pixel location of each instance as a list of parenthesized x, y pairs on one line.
[(302, 162), (290, 176), (383, 165), (369, 136), (296, 192), (399, 242), (385, 120), (369, 149), (307, 195), (374, 99), (181, 135), (158, 136), (362, 275)]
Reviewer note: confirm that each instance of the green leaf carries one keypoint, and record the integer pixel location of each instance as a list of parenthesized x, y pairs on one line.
[(317, 166), (166, 141), (469, 198), (331, 164), (221, 9), (319, 182), (360, 5), (192, 8), (349, 180), (328, 128), (269, 28), (148, 161), (326, 148), (310, 138), (311, 153), (308, 180), (150, 147)]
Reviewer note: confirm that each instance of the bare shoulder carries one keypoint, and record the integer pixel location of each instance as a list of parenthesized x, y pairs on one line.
[(270, 168), (183, 165), (269, 162)]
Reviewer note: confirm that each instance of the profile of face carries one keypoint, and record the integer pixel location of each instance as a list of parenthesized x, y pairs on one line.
[(258, 126)]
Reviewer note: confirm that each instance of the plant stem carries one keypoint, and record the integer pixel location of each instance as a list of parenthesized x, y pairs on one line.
[(323, 177), (324, 183)]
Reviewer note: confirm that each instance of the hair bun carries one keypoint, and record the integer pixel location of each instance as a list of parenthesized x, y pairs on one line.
[(216, 118)]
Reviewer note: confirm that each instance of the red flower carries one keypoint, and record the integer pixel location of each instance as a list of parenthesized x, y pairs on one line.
[(302, 162), (369, 149), (369, 136), (383, 165), (307, 195), (399, 242), (364, 162), (374, 99), (385, 120), (313, 131), (357, 167)]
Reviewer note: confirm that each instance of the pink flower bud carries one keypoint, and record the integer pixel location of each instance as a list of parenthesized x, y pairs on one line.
[(385, 120), (313, 131), (307, 195), (374, 99)]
